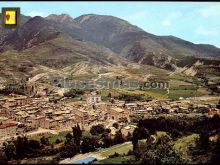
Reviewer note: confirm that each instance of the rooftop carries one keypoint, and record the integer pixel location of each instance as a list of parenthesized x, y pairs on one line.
[(119, 110), (3, 126)]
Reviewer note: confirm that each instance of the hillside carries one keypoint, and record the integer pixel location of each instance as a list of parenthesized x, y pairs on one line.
[(90, 44), (4, 32), (120, 36)]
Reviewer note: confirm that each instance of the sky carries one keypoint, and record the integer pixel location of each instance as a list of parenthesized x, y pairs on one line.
[(198, 22)]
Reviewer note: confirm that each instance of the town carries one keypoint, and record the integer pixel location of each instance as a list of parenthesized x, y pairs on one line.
[(24, 115)]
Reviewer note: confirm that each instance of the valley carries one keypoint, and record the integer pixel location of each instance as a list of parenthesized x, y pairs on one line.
[(97, 87)]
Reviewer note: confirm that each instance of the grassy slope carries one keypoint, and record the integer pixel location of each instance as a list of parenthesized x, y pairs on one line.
[(120, 149), (51, 137), (182, 144), (39, 160), (116, 160)]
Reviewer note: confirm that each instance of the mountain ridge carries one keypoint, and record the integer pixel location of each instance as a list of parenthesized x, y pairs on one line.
[(59, 41)]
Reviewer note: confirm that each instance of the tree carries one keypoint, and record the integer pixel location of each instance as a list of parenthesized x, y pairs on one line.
[(34, 144), (218, 105), (10, 150), (22, 146), (161, 152), (112, 101), (216, 153), (73, 93), (138, 134), (202, 144), (69, 136), (118, 139), (89, 144), (69, 149), (97, 129), (33, 149), (58, 141), (129, 137), (116, 125), (109, 95), (44, 141), (3, 158), (203, 141), (108, 131), (107, 141), (77, 134)]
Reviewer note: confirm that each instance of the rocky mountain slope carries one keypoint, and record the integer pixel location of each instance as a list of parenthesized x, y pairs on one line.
[(61, 42)]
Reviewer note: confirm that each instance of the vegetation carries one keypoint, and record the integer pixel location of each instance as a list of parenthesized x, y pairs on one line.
[(192, 144), (116, 125), (161, 152), (97, 129), (155, 140), (183, 144), (116, 160), (119, 148), (74, 93), (51, 137)]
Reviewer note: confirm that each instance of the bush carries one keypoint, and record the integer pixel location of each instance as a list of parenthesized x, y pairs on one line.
[(114, 155), (73, 93), (97, 129), (58, 141), (116, 125), (130, 152)]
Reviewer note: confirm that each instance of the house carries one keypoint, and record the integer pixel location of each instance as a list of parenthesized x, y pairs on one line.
[(2, 102), (50, 124), (36, 121), (131, 105), (8, 129), (127, 129), (11, 103), (113, 131), (214, 112), (21, 100), (3, 120), (81, 116), (116, 113), (93, 99)]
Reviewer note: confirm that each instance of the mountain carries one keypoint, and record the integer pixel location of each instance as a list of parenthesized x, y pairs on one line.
[(91, 43), (33, 32), (103, 29), (4, 32), (139, 46), (39, 43), (121, 36)]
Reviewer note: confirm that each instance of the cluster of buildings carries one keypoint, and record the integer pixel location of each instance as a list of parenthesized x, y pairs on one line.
[(155, 107), (40, 112), (21, 111)]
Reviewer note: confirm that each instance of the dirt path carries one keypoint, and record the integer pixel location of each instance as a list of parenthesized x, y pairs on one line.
[(37, 77), (100, 76), (42, 131)]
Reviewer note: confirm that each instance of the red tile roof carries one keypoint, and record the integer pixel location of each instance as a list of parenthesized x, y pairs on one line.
[(3, 126)]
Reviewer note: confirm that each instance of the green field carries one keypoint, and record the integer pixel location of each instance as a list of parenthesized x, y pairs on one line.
[(116, 160), (39, 160), (120, 149), (160, 134), (51, 137), (182, 144), (61, 136)]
